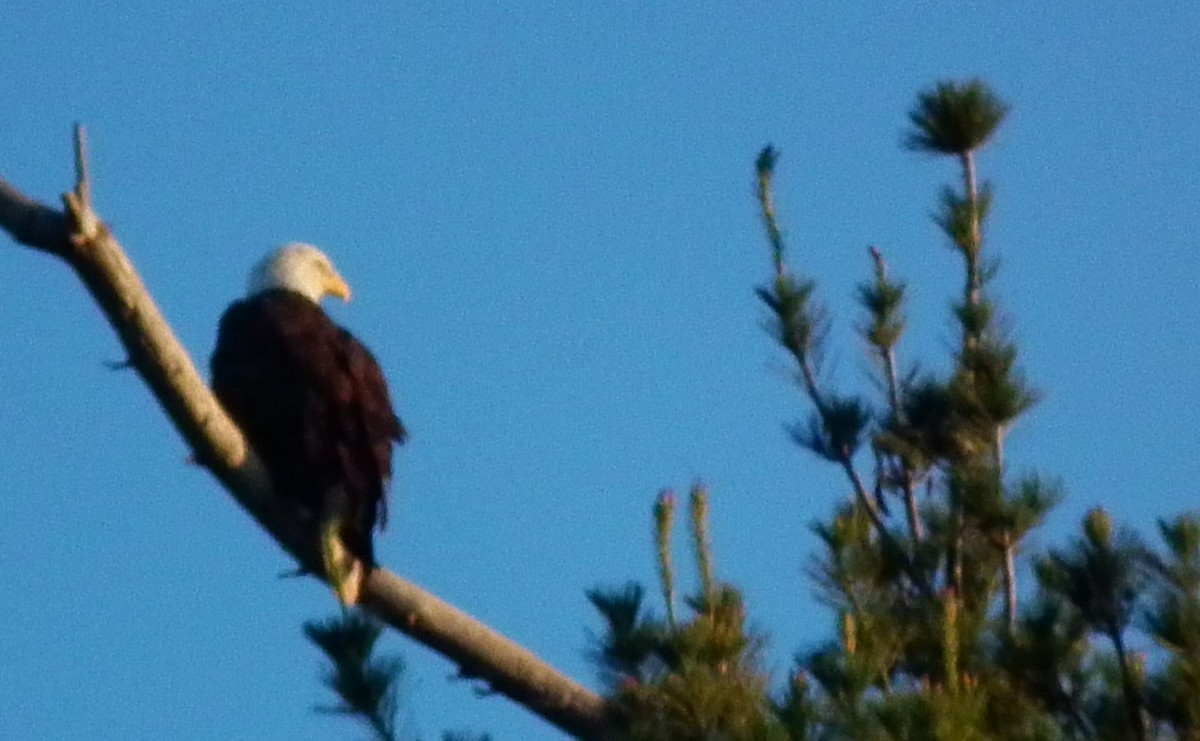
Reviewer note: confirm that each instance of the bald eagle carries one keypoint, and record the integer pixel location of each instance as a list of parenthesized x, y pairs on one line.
[(313, 404)]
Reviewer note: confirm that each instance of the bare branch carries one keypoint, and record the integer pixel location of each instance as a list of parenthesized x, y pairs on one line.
[(32, 224), (84, 242)]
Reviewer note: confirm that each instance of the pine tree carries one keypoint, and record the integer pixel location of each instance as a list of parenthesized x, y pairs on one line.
[(915, 586), (919, 564)]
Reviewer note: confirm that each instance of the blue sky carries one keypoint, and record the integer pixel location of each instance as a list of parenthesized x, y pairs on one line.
[(546, 213)]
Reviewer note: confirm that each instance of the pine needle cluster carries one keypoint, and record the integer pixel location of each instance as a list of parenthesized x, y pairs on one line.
[(366, 684), (695, 676)]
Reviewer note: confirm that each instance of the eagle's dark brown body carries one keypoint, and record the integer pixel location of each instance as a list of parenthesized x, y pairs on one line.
[(314, 405)]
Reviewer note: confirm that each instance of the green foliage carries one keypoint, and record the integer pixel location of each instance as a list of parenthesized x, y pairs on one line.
[(884, 301), (1044, 660), (961, 216), (954, 118), (1098, 574), (634, 643), (664, 518), (702, 547), (366, 685), (1173, 621), (800, 322), (836, 433), (796, 711), (695, 678)]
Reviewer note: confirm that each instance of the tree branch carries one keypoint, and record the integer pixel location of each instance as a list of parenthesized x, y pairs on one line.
[(887, 359), (78, 237)]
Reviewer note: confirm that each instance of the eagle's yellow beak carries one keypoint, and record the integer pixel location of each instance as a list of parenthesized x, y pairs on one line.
[(338, 287)]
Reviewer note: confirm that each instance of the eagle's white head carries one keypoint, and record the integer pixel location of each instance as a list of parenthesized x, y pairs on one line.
[(301, 268)]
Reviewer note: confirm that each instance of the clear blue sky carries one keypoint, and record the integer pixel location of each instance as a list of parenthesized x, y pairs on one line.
[(546, 212)]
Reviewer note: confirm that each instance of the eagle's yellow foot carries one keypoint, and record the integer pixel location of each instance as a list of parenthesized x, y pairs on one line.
[(344, 571)]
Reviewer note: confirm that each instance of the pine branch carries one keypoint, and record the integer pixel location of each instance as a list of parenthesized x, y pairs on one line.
[(800, 327), (883, 298), (839, 422), (84, 242), (664, 516), (366, 684)]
